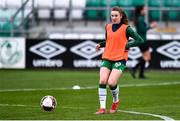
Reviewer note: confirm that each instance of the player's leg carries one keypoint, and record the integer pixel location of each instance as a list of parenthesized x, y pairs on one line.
[(113, 85), (147, 55), (134, 69), (102, 91), (146, 58), (118, 68)]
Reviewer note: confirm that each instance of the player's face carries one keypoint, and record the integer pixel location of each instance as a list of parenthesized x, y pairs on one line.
[(115, 17), (144, 11)]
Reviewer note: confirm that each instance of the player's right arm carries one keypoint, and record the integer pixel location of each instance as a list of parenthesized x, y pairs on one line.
[(102, 43)]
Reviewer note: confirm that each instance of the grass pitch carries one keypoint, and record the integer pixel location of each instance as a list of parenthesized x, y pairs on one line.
[(22, 90)]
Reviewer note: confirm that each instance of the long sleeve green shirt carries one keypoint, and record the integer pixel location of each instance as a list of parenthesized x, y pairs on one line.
[(142, 27)]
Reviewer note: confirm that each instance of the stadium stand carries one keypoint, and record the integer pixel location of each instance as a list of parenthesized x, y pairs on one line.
[(70, 15), (12, 17)]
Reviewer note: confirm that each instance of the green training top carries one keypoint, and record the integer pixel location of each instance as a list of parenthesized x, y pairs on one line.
[(142, 27)]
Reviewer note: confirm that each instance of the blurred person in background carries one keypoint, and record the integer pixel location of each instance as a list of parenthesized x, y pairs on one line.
[(142, 27), (114, 57)]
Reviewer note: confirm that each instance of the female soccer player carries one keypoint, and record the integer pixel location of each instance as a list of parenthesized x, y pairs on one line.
[(115, 56), (142, 28)]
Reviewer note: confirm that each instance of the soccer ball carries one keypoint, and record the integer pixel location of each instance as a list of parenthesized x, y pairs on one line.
[(48, 103)]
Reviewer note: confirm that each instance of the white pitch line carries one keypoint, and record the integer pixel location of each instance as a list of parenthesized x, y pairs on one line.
[(93, 87), (21, 105), (150, 84), (165, 118), (17, 105), (148, 114)]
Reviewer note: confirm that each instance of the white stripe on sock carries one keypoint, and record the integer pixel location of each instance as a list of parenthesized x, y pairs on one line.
[(115, 94), (102, 97)]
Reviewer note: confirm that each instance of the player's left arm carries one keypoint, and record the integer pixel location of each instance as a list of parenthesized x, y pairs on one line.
[(137, 39)]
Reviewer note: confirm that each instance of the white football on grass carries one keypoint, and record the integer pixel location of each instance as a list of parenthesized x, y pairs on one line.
[(48, 103)]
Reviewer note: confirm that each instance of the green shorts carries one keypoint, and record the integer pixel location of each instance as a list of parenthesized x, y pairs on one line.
[(119, 65)]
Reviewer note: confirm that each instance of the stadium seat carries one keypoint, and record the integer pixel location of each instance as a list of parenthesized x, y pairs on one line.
[(44, 9), (104, 15), (44, 14), (91, 15), (6, 27), (155, 3), (94, 3), (173, 15), (112, 3), (125, 3), (139, 2), (78, 13), (61, 13), (129, 14), (171, 3), (154, 15)]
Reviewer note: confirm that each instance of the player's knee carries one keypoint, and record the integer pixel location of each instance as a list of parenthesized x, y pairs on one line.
[(103, 81), (112, 82), (147, 58)]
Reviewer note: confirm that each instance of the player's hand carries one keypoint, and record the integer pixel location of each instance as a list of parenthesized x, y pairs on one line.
[(97, 47), (126, 50), (153, 24)]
